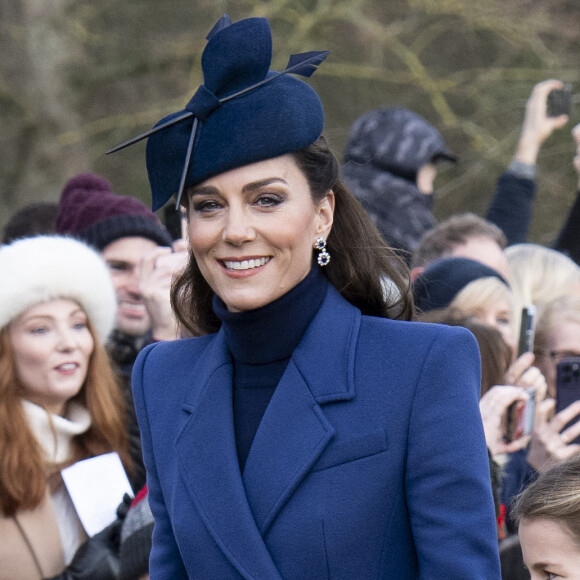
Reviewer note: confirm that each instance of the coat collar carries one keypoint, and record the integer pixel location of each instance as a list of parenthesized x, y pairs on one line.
[(292, 435)]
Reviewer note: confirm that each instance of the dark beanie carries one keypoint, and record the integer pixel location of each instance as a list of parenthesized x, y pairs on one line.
[(136, 535), (442, 280), (90, 211)]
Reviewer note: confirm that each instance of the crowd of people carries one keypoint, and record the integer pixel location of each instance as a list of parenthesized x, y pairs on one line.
[(313, 378)]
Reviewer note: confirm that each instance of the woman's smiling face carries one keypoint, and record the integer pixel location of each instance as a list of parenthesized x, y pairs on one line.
[(252, 231), (52, 346)]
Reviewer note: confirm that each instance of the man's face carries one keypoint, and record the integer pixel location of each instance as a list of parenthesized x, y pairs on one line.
[(482, 249), (426, 178), (486, 251), (124, 257)]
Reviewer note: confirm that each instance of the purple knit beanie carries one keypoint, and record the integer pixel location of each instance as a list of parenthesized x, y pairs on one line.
[(90, 211)]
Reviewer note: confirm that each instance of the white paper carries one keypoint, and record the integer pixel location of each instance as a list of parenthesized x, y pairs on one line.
[(96, 487)]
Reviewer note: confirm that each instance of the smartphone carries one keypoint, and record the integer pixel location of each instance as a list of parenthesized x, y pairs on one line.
[(568, 386), (527, 327), (560, 101), (520, 417)]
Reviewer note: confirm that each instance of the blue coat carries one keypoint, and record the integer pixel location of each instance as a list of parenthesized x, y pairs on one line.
[(369, 463)]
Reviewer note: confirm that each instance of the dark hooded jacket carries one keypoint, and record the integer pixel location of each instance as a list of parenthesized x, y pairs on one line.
[(385, 150)]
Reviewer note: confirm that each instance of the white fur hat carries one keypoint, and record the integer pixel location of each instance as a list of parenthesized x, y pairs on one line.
[(42, 268)]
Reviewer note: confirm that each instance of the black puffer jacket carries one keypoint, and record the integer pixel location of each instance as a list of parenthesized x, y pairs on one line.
[(385, 150)]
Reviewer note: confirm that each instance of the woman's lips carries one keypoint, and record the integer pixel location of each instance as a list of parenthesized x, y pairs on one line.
[(67, 367), (246, 264)]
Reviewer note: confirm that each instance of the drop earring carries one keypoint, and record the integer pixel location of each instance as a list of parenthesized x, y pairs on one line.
[(323, 256)]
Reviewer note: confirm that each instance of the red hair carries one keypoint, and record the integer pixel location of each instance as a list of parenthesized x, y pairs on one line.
[(23, 472)]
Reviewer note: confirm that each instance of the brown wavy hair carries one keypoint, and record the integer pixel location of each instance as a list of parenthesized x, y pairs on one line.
[(554, 495), (364, 269), (23, 473)]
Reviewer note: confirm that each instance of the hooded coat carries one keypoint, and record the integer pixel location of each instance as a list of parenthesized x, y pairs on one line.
[(385, 150)]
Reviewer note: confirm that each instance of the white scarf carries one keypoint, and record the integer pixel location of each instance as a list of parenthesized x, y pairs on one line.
[(56, 442)]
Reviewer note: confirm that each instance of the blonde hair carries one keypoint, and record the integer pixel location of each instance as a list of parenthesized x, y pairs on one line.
[(564, 308), (479, 294), (555, 495), (537, 276)]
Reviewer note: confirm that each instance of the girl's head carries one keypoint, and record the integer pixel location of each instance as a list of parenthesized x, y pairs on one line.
[(548, 513)]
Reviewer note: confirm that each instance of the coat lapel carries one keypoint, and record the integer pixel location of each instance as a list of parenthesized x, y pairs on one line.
[(294, 430), (210, 467)]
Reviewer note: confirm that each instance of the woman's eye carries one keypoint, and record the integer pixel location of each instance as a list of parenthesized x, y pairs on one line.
[(80, 325), (39, 330), (505, 321), (205, 206), (268, 200)]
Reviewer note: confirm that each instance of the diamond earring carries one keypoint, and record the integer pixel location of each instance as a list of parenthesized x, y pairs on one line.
[(323, 256)]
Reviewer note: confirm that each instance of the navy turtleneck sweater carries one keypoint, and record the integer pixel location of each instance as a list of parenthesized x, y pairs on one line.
[(261, 343)]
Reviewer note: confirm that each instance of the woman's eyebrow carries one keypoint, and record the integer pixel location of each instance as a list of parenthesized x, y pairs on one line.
[(543, 565), (203, 190), (255, 185), (248, 188)]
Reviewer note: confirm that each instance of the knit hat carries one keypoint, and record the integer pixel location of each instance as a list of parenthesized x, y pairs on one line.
[(242, 114), (396, 140), (136, 535), (34, 270), (90, 211), (442, 280)]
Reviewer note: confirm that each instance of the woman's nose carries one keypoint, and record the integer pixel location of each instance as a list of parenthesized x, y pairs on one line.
[(66, 339), (238, 228)]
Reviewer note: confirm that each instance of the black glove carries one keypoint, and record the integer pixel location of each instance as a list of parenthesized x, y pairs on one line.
[(97, 558), (94, 560)]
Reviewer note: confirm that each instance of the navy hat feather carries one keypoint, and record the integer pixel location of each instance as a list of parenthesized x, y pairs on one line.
[(243, 113), (442, 280)]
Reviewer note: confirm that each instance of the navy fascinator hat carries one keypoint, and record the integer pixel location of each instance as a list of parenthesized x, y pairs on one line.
[(243, 113)]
